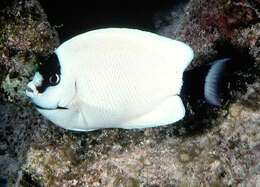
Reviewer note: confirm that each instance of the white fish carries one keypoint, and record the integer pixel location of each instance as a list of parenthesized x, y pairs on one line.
[(113, 78)]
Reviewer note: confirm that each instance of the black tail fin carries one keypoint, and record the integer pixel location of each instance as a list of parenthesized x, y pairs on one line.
[(212, 81), (204, 83)]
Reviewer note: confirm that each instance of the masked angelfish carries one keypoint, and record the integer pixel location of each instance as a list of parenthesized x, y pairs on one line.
[(115, 78)]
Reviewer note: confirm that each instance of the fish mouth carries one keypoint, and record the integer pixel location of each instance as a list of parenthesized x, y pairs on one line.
[(57, 108)]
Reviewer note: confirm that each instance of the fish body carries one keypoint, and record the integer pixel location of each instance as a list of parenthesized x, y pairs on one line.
[(113, 78)]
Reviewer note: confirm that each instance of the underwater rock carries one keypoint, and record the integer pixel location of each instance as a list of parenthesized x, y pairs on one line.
[(24, 34), (210, 147), (206, 22)]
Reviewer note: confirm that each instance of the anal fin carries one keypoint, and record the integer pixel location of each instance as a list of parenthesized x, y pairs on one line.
[(168, 112)]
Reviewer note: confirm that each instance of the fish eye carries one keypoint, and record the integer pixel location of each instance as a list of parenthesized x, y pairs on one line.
[(54, 79)]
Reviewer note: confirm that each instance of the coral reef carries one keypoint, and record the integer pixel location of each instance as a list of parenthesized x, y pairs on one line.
[(210, 147)]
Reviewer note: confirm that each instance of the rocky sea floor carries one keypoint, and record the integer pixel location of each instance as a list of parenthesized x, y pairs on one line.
[(209, 147)]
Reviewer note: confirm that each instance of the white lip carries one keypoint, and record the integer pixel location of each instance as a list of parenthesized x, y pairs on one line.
[(31, 90)]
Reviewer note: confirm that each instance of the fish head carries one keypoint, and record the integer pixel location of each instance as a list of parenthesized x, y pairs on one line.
[(51, 87)]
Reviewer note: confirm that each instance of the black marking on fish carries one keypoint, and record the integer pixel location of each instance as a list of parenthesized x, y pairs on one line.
[(48, 68), (57, 108)]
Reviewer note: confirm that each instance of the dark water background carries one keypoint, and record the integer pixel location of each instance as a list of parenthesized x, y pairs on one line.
[(76, 17)]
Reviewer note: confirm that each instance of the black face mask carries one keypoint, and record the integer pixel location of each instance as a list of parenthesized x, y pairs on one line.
[(50, 70)]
